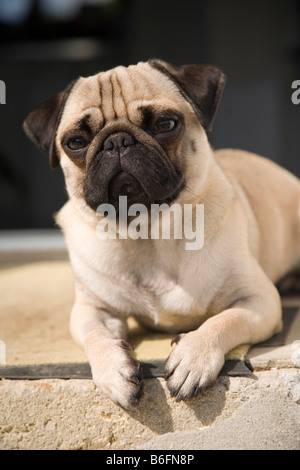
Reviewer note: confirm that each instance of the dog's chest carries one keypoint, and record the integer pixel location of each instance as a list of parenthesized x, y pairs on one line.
[(165, 290), (165, 303)]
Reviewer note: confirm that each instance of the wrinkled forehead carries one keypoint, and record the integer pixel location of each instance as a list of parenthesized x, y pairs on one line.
[(119, 93)]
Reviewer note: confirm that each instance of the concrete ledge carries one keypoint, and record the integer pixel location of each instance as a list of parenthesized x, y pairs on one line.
[(261, 412), (23, 246), (62, 409)]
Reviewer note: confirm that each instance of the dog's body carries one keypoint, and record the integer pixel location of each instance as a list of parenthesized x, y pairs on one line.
[(140, 131)]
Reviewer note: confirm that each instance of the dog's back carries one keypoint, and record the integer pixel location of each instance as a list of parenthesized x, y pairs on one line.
[(274, 197)]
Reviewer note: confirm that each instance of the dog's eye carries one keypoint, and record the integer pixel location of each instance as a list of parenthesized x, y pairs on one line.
[(165, 125), (77, 144)]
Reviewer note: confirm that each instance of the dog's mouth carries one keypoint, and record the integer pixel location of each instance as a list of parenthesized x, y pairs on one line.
[(125, 184)]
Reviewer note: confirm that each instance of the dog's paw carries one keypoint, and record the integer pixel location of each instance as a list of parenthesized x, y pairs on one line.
[(115, 372), (193, 365)]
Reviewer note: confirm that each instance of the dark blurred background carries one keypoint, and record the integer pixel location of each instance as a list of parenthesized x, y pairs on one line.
[(44, 44)]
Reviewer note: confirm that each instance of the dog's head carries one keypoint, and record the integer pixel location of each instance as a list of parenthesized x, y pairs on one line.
[(137, 132)]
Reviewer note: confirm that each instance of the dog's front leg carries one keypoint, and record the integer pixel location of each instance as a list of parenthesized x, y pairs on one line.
[(198, 357), (102, 336)]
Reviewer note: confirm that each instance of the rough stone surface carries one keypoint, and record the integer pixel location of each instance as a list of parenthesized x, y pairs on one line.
[(261, 423), (259, 412)]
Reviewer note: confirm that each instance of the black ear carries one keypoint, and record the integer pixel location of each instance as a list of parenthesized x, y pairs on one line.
[(42, 123), (201, 85)]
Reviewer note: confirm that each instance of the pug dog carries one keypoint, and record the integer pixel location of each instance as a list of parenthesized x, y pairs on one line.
[(140, 132)]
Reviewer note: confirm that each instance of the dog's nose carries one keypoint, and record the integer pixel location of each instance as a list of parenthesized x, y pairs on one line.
[(118, 141)]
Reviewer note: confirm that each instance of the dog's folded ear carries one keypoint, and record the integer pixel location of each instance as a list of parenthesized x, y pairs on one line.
[(42, 123), (201, 86)]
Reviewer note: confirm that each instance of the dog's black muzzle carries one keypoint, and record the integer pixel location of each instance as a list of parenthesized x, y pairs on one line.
[(130, 164)]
